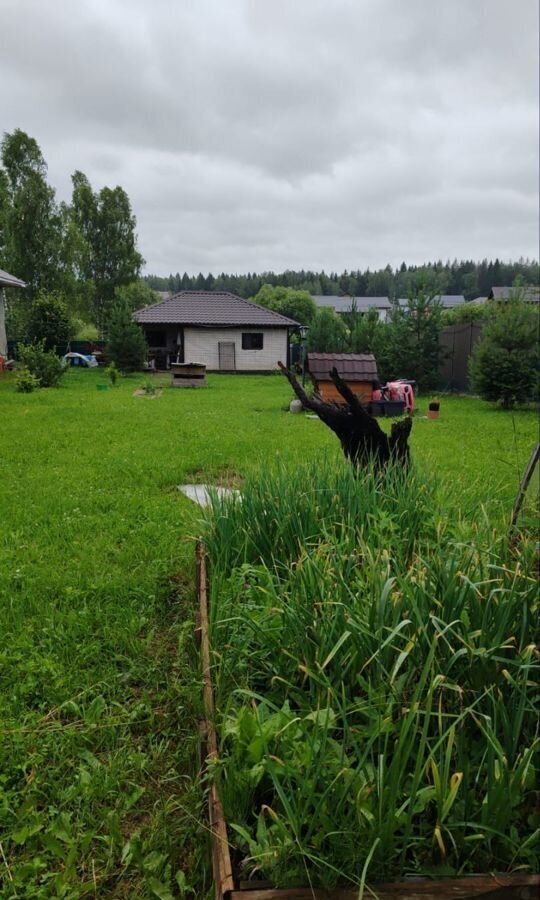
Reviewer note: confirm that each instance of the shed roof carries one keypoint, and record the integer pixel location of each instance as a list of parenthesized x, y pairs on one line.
[(208, 308), (351, 366), (7, 280)]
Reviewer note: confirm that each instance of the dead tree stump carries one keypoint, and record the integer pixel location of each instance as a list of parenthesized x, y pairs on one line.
[(361, 436)]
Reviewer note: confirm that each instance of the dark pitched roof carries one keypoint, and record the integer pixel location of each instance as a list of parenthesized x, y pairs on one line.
[(211, 308), (528, 293), (345, 304), (351, 366), (7, 280)]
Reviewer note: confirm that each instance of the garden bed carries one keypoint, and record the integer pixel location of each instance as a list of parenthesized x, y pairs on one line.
[(227, 887), (255, 770)]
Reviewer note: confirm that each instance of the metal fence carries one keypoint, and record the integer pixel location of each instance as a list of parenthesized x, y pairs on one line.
[(456, 343)]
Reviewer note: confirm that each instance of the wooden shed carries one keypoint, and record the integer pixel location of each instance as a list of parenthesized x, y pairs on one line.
[(358, 370)]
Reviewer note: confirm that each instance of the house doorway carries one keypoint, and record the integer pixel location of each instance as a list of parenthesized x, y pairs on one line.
[(227, 356)]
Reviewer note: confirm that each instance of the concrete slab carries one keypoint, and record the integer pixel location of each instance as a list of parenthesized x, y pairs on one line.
[(199, 493)]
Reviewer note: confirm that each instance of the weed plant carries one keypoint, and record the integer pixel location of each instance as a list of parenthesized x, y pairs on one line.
[(374, 669)]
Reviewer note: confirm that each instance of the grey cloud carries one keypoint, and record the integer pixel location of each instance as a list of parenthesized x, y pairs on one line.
[(254, 135)]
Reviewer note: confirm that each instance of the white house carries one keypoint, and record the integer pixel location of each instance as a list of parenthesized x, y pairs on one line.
[(217, 329)]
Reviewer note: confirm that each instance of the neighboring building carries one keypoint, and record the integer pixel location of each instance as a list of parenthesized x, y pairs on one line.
[(218, 329), (358, 370), (6, 281), (383, 305), (527, 293), (347, 303), (447, 301)]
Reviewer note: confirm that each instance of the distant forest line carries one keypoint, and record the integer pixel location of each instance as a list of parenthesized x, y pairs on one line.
[(472, 279)]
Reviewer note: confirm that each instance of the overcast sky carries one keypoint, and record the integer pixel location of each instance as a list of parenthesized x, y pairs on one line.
[(271, 134)]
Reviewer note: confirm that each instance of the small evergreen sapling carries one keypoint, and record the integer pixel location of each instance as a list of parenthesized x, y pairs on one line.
[(504, 366), (127, 346), (25, 382)]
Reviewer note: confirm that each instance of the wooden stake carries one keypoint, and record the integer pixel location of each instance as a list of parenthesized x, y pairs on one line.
[(221, 859), (533, 461)]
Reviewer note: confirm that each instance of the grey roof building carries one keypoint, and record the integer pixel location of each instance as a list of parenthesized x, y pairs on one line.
[(447, 301), (217, 329), (528, 293), (347, 303), (207, 308)]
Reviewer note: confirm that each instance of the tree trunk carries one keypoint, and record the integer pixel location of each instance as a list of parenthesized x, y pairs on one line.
[(361, 437)]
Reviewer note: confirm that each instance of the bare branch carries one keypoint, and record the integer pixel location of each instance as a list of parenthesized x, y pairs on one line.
[(360, 435)]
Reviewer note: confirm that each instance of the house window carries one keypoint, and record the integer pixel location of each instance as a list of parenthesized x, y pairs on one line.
[(252, 340)]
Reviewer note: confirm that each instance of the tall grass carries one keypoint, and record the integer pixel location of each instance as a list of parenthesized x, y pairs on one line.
[(374, 675)]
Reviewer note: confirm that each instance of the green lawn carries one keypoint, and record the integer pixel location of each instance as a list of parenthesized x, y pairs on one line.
[(99, 690)]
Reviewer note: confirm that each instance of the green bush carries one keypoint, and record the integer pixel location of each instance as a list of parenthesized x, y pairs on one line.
[(112, 373), (328, 332), (136, 295), (126, 346), (49, 321), (295, 304), (504, 366), (45, 365), (84, 331), (25, 381)]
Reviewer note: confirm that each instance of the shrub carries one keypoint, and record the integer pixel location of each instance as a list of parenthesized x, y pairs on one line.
[(504, 366), (25, 381), (136, 295), (127, 346), (296, 304), (328, 333), (84, 331), (49, 322), (468, 313), (149, 387), (112, 373), (44, 364)]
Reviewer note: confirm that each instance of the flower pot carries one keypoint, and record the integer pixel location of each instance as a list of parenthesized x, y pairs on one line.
[(433, 413)]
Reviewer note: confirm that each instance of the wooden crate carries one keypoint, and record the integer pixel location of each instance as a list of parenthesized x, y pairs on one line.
[(188, 375), (488, 887)]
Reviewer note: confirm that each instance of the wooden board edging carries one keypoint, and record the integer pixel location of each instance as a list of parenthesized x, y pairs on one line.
[(467, 887), (488, 887)]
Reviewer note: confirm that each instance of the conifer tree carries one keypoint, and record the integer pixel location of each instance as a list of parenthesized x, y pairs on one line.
[(126, 344)]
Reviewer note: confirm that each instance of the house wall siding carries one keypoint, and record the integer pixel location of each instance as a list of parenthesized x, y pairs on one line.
[(201, 346)]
